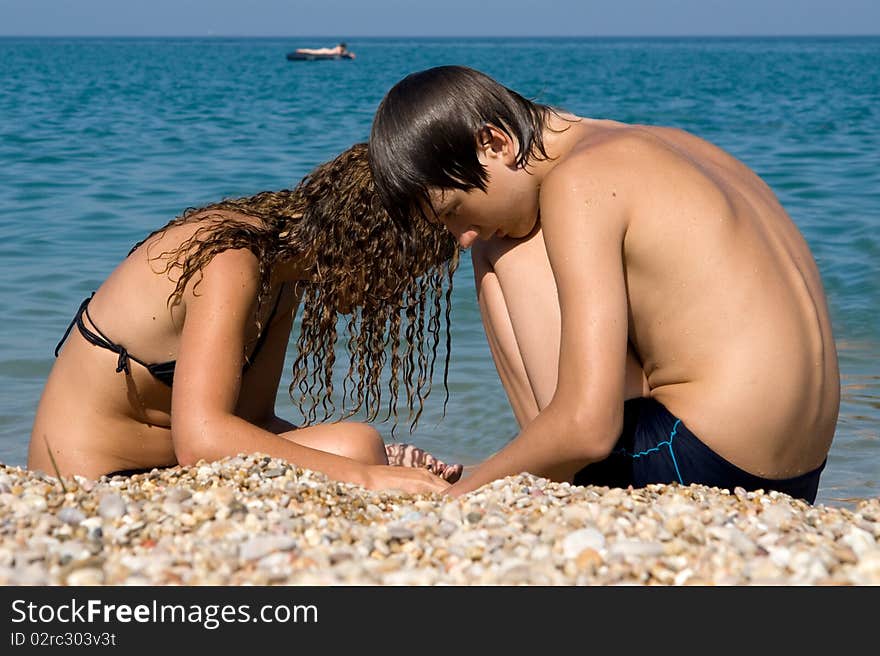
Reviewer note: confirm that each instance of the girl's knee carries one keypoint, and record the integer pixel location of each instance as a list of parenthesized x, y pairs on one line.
[(363, 443)]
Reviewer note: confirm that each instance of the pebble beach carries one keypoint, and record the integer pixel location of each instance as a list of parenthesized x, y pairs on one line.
[(255, 520)]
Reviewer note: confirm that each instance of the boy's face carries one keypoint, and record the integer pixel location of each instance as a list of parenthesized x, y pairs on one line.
[(508, 207)]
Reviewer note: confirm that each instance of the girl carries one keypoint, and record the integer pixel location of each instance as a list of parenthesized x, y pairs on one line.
[(178, 355)]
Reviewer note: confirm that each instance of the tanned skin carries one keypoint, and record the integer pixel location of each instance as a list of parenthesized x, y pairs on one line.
[(641, 261)]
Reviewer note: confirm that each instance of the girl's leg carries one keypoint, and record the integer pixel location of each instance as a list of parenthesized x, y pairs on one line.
[(349, 439), (409, 455), (520, 311), (363, 443)]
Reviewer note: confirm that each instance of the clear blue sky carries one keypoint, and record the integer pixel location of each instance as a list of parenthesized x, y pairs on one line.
[(354, 18)]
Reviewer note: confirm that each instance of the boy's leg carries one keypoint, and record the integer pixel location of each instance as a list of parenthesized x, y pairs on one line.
[(520, 311), (517, 298), (503, 346)]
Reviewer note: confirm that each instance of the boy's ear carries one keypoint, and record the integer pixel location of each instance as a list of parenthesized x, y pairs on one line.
[(493, 143)]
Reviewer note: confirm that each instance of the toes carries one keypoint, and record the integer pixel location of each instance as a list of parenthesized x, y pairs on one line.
[(397, 454), (409, 455), (451, 473), (405, 455)]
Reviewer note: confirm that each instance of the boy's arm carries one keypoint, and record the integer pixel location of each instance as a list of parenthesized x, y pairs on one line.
[(584, 224)]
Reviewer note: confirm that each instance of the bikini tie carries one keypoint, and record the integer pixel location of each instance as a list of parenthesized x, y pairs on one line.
[(99, 339), (122, 361)]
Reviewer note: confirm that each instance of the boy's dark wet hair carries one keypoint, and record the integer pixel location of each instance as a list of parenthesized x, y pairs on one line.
[(424, 134)]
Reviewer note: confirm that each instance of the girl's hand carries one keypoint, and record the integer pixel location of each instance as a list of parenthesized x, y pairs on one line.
[(409, 480)]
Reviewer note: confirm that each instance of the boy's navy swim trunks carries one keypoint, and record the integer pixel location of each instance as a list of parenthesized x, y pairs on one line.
[(656, 447)]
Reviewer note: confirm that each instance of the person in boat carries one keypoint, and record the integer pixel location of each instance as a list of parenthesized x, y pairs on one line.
[(340, 50), (654, 314), (178, 355)]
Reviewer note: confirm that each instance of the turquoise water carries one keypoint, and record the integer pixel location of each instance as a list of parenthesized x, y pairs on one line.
[(102, 140)]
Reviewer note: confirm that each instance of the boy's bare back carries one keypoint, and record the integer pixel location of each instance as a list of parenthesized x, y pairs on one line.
[(726, 310)]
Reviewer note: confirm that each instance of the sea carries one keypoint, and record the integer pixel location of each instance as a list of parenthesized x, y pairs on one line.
[(104, 139)]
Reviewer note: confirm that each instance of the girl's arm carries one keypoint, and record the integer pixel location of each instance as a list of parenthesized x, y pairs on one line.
[(208, 379), (256, 401)]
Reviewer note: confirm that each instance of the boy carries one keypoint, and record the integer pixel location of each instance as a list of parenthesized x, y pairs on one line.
[(654, 314)]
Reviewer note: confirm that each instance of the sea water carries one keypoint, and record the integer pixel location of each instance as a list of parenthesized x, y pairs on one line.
[(102, 140)]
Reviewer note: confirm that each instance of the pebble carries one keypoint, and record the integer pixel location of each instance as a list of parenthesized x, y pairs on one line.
[(256, 520), (258, 547), (72, 516), (111, 506), (586, 538)]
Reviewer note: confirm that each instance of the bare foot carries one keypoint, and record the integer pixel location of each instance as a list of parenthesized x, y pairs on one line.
[(409, 455)]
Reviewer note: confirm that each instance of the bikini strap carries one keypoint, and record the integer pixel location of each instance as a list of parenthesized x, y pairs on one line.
[(122, 362), (265, 332), (99, 339), (76, 316)]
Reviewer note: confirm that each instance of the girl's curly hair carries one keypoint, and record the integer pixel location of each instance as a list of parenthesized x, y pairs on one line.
[(392, 282)]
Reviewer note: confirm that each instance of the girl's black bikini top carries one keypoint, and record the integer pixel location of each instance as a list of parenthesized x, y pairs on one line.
[(162, 371)]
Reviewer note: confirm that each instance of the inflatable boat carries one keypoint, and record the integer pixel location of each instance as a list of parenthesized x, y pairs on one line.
[(305, 56)]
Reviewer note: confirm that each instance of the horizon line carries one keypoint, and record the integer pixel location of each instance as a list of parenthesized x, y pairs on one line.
[(438, 36)]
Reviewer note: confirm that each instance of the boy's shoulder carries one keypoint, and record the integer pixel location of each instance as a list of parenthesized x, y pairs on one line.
[(613, 157), (620, 142)]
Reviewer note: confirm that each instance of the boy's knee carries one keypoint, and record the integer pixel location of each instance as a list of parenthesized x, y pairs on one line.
[(479, 252), (485, 253)]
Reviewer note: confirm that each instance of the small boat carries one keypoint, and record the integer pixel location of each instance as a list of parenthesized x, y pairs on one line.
[(307, 56)]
